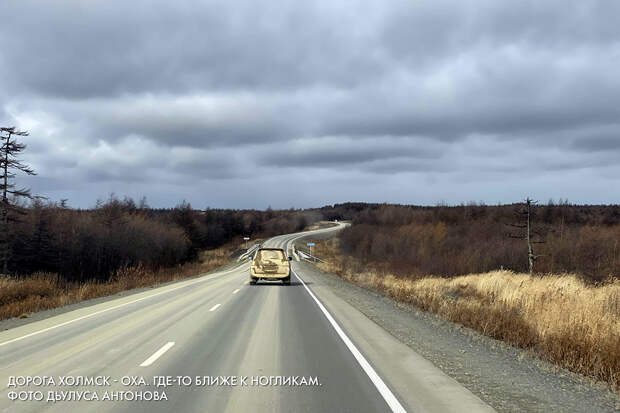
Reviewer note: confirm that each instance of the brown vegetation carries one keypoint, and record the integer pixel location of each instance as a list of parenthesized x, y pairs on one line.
[(42, 291), (60, 255), (85, 245), (562, 318), (450, 241)]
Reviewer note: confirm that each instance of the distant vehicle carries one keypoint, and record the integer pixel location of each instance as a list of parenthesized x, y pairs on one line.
[(270, 264)]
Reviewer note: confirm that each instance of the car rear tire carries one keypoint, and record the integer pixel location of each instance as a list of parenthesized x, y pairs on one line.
[(253, 281), (287, 281)]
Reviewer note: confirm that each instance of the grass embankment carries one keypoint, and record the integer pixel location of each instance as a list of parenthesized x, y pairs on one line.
[(320, 225), (43, 291), (564, 320)]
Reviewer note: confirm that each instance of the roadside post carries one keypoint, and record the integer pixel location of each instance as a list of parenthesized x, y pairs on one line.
[(311, 244), (246, 239)]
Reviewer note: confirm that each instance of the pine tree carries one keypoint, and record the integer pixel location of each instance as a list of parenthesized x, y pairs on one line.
[(9, 150)]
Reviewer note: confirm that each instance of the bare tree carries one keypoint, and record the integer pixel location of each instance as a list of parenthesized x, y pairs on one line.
[(9, 149), (525, 215)]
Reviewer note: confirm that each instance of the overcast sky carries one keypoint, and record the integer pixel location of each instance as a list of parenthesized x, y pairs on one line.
[(246, 104)]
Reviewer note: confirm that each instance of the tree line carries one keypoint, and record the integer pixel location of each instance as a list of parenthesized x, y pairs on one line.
[(456, 240), (87, 244), (93, 244)]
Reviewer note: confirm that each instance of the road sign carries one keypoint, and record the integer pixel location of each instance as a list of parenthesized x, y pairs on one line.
[(311, 244)]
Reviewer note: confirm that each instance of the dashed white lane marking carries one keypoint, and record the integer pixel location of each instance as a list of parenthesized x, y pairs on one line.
[(157, 354), (236, 291), (383, 389), (215, 307), (200, 280), (120, 305)]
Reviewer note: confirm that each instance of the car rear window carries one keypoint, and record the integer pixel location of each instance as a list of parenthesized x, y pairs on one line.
[(270, 255)]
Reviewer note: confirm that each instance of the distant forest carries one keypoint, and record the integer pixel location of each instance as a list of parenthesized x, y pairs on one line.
[(91, 244), (447, 241)]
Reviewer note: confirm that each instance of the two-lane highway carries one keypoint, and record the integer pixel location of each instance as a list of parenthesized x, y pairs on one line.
[(220, 326)]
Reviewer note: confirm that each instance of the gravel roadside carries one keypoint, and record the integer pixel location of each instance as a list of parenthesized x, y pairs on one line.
[(507, 378)]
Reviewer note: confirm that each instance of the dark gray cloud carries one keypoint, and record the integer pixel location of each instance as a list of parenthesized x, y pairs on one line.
[(600, 142), (113, 48), (318, 101), (343, 151)]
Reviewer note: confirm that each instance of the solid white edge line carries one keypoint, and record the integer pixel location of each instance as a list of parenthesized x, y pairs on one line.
[(157, 354), (236, 291), (215, 307), (120, 305), (216, 275), (383, 389)]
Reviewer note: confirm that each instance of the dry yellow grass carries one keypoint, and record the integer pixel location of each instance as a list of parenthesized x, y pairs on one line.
[(566, 321), (42, 291)]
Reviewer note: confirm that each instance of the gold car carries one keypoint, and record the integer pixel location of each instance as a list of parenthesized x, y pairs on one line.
[(270, 264)]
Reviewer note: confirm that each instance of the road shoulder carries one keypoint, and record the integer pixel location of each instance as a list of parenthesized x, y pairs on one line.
[(417, 383), (508, 379)]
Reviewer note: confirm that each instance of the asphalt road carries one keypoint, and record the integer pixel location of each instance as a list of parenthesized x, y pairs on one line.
[(270, 335)]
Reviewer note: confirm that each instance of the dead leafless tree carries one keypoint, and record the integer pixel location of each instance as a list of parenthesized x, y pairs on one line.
[(9, 150), (525, 215)]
